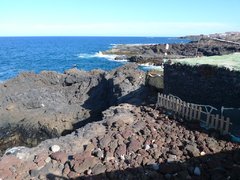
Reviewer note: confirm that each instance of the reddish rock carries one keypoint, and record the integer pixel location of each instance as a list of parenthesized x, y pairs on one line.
[(134, 145), (145, 161), (139, 125), (73, 175), (40, 158), (121, 150), (119, 138), (143, 152), (8, 161), (213, 145), (59, 156), (119, 123), (81, 156), (84, 165), (98, 169), (94, 142), (66, 169), (113, 145), (109, 156), (109, 166), (89, 148), (126, 133), (6, 174), (27, 166), (139, 160), (104, 142), (192, 150), (157, 153)]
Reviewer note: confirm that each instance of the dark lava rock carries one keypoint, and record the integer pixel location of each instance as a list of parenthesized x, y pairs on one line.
[(49, 104), (154, 54)]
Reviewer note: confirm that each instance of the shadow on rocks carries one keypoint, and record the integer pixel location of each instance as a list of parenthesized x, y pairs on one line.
[(113, 96), (219, 166), (142, 96), (55, 177)]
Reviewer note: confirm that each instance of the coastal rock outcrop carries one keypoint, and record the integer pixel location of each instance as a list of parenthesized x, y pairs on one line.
[(34, 107), (155, 54), (129, 142)]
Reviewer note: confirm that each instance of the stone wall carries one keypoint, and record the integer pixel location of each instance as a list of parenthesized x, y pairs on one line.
[(203, 84)]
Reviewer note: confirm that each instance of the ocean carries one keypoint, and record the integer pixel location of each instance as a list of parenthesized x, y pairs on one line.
[(35, 54)]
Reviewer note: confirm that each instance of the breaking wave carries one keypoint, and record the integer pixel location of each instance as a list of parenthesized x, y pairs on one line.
[(148, 66), (100, 55)]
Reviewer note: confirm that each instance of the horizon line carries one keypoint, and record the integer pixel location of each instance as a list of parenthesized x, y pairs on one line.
[(90, 36)]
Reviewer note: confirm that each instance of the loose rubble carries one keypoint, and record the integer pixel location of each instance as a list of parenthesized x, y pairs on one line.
[(131, 142)]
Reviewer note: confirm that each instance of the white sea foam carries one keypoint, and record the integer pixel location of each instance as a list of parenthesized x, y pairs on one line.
[(86, 56), (107, 56), (100, 55), (137, 44), (148, 66)]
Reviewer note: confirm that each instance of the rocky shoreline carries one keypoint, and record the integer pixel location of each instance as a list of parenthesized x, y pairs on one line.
[(202, 45), (129, 142), (35, 107), (130, 139), (104, 125)]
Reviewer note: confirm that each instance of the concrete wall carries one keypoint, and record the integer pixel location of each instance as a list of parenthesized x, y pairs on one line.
[(203, 84)]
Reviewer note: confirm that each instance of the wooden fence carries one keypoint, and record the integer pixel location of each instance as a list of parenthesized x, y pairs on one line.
[(193, 112)]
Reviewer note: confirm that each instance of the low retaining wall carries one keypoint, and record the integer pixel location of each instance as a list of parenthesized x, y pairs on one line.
[(203, 84)]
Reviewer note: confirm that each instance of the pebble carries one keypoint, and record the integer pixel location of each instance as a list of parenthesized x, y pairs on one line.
[(170, 153), (122, 157), (89, 172), (202, 153), (147, 147), (98, 153), (48, 160), (55, 148)]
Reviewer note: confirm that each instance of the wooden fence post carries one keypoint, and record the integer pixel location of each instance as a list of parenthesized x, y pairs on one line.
[(226, 126), (221, 124), (187, 111), (211, 125), (199, 113), (216, 122), (165, 101), (177, 106), (159, 100), (170, 103), (183, 109), (157, 104), (191, 113), (208, 119), (195, 112)]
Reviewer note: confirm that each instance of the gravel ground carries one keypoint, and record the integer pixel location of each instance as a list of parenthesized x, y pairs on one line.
[(131, 142)]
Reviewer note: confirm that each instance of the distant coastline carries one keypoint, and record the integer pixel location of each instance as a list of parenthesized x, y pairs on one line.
[(199, 46)]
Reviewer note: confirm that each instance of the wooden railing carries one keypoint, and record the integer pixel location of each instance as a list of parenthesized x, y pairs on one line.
[(194, 112)]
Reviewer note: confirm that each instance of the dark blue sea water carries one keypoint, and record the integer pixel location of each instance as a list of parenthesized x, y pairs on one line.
[(19, 54)]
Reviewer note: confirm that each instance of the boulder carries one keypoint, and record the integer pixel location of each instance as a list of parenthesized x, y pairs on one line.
[(49, 104)]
